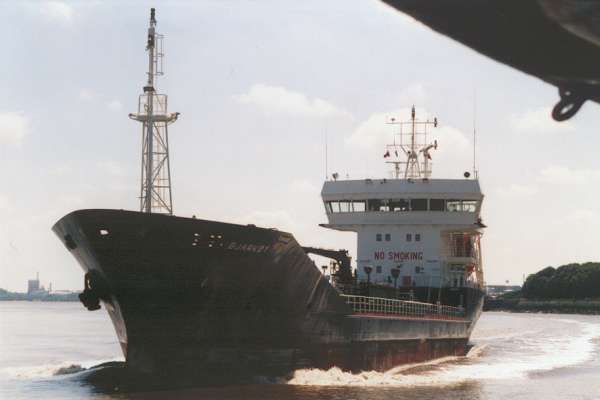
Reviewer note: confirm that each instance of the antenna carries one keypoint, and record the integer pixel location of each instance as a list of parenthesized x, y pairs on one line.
[(475, 173), (326, 156), (412, 144), (155, 188)]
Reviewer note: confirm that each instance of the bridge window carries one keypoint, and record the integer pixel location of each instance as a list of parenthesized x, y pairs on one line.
[(409, 237), (384, 206), (374, 204), (453, 205), (335, 206), (395, 205), (417, 237), (437, 205), (388, 237), (378, 237), (345, 206), (399, 205), (469, 205), (358, 206), (418, 204), (461, 205)]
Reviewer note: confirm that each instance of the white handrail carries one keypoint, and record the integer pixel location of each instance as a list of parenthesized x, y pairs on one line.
[(380, 305)]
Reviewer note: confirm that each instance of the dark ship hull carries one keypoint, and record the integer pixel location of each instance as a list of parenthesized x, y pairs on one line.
[(189, 296)]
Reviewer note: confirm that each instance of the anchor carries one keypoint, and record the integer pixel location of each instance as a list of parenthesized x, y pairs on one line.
[(90, 297)]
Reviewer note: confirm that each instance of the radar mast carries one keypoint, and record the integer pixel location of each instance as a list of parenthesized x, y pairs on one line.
[(155, 188), (411, 141)]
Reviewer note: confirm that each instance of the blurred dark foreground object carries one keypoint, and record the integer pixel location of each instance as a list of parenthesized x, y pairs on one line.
[(556, 40)]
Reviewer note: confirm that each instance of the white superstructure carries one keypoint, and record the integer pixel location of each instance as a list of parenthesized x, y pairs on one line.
[(412, 231)]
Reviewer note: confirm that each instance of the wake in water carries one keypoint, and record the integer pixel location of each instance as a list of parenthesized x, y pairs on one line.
[(502, 351), (403, 375), (503, 356), (50, 370)]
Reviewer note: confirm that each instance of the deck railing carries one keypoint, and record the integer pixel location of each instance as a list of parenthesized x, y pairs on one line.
[(414, 309)]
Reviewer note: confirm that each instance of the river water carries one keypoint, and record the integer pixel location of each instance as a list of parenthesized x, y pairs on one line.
[(46, 347)]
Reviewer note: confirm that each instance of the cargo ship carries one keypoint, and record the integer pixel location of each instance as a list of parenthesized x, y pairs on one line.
[(202, 298)]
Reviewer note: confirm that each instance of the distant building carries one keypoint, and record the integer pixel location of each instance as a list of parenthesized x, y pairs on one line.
[(34, 287), (496, 290)]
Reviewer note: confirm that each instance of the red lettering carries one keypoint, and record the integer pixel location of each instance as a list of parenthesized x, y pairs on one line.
[(399, 255)]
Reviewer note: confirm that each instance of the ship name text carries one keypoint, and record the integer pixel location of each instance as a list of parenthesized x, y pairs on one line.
[(248, 247)]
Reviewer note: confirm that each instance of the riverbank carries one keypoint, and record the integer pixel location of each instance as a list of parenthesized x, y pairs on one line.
[(555, 306), (5, 295)]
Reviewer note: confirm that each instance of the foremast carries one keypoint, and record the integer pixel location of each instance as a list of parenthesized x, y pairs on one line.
[(155, 187)]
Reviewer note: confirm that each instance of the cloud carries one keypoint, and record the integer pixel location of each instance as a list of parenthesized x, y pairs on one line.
[(414, 93), (453, 155), (13, 128), (451, 140), (583, 215), (303, 186), (4, 202), (516, 190), (71, 201), (376, 132), (114, 105), (278, 219), (59, 170), (538, 121), (111, 167), (57, 10), (279, 100), (86, 95), (567, 176)]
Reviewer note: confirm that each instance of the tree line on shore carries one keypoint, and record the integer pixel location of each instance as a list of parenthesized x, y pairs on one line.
[(575, 281)]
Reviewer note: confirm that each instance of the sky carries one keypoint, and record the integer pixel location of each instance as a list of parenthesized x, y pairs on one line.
[(261, 87)]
